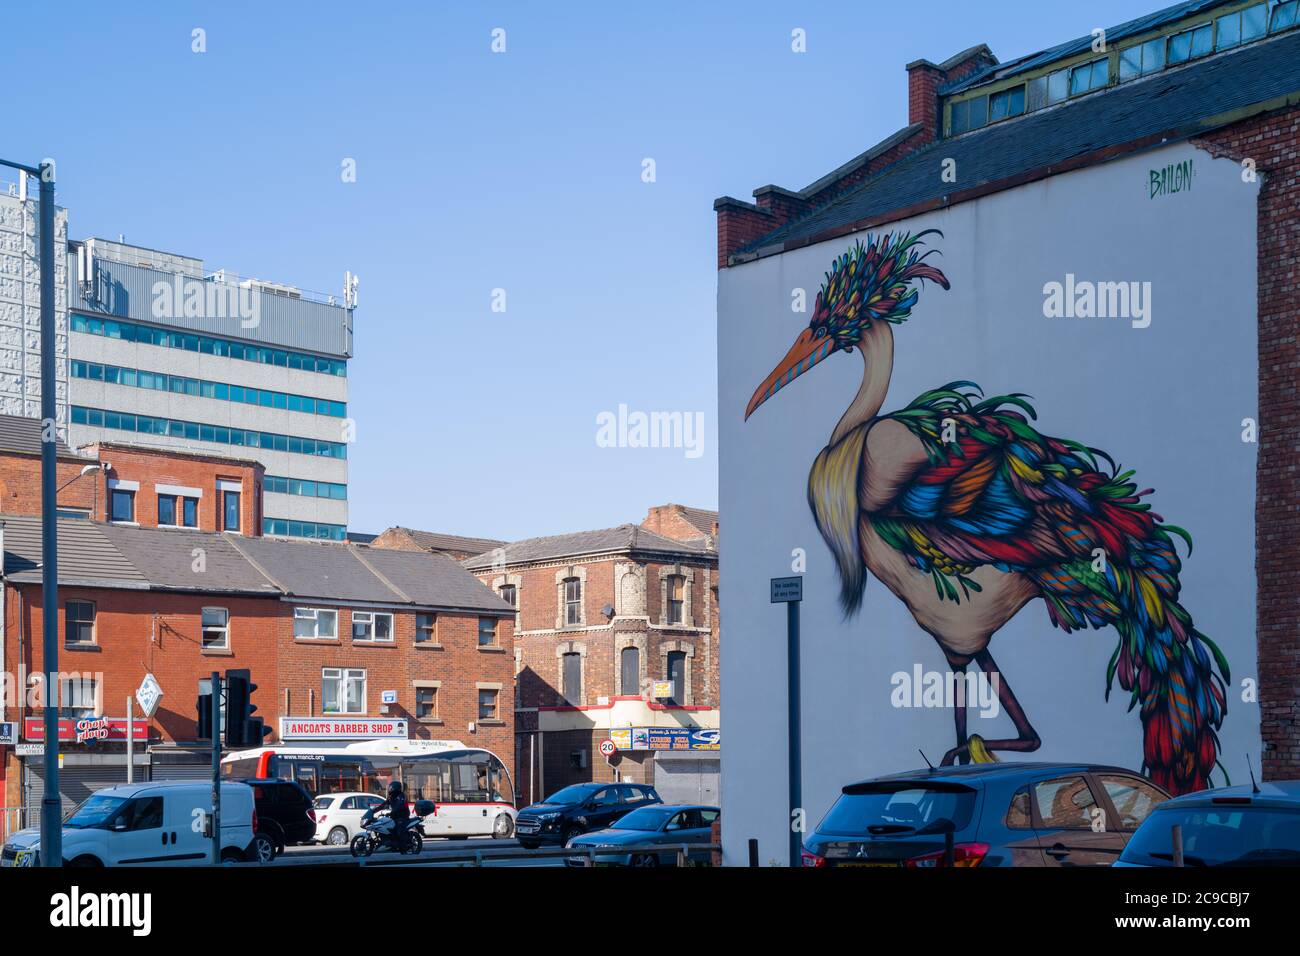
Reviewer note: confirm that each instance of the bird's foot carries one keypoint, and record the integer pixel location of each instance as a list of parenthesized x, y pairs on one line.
[(979, 753)]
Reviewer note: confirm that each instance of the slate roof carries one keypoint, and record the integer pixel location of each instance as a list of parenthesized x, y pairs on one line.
[(94, 554), (166, 559), (435, 541), (23, 436), (1172, 104), (624, 538), (86, 556), (1130, 28), (700, 518), (340, 572), (434, 579)]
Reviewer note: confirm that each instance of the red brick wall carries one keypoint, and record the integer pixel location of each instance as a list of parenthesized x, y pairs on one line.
[(668, 521), (152, 632), (146, 632), (149, 467), (395, 539), (20, 484), (456, 661), (1273, 143)]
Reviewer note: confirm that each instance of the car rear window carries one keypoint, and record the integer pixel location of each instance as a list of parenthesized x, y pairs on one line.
[(892, 808), (324, 803), (1219, 836)]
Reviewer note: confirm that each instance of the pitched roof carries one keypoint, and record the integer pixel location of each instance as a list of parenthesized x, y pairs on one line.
[(94, 554), (85, 555), (624, 538), (436, 541), (342, 572), (1130, 28), (1173, 104), (23, 436), (434, 579), (701, 518), (168, 560)]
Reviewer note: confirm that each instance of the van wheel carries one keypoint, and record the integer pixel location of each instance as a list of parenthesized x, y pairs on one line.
[(337, 837), (231, 855), (86, 861), (503, 828), (263, 849)]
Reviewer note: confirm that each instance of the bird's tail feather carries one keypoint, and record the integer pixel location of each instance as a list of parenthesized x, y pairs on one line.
[(833, 497), (1174, 674)]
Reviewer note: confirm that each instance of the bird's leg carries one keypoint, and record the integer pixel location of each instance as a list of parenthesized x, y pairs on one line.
[(958, 752), (1028, 741)]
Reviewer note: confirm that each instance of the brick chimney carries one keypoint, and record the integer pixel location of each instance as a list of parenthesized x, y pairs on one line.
[(741, 223)]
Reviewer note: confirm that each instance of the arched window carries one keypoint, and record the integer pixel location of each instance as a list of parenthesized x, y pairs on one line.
[(676, 598), (572, 602)]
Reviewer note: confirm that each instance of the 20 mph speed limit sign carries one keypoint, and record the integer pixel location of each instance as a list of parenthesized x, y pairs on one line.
[(607, 748)]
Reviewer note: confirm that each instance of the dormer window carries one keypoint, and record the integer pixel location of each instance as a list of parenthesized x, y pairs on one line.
[(1089, 76), (1241, 27), (1198, 41), (1142, 59), (1285, 16)]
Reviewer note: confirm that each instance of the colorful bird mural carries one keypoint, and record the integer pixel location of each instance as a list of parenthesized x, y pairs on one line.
[(966, 512)]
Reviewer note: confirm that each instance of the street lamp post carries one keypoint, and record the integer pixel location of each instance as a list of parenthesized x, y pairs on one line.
[(51, 805)]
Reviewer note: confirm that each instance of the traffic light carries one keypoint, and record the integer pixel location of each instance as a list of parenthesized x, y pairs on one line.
[(242, 728)]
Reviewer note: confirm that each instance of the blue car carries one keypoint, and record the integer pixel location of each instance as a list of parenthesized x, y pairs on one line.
[(655, 825), (998, 814), (1232, 826)]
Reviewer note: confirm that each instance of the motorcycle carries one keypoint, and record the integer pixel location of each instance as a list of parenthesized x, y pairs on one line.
[(378, 832)]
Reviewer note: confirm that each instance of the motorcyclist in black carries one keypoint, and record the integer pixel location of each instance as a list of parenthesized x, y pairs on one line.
[(399, 810)]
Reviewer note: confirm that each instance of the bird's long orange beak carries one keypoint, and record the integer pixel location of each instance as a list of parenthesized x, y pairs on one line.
[(806, 352)]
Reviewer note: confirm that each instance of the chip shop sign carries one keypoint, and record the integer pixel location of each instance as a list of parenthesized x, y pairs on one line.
[(342, 728), (87, 730)]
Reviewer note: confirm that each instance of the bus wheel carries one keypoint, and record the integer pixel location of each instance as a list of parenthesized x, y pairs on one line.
[(503, 828), (338, 837)]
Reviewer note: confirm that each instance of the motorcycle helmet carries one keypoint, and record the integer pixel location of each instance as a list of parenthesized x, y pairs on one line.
[(394, 788)]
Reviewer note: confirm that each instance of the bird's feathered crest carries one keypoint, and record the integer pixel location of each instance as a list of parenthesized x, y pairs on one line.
[(872, 282)]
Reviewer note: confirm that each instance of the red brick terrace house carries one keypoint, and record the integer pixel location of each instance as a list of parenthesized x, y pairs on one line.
[(326, 629), (616, 637)]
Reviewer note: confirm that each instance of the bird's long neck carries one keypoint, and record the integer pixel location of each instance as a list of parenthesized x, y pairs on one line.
[(877, 348)]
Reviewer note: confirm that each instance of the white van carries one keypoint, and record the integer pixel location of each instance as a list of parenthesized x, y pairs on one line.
[(147, 824)]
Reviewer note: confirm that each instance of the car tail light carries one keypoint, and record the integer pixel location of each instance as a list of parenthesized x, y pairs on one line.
[(255, 819), (963, 854), (812, 859), (311, 815)]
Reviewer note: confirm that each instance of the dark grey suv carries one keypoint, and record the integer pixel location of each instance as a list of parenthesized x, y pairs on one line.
[(1002, 814)]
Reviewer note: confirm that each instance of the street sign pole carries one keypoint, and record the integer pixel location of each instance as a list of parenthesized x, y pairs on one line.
[(216, 768), (790, 592), (796, 758), (130, 739)]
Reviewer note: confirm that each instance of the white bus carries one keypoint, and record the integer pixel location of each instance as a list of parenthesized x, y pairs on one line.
[(470, 787)]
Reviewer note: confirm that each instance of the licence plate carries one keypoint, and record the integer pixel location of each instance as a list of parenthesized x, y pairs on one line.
[(891, 863)]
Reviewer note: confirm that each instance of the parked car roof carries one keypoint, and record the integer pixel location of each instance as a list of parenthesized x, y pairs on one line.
[(1278, 793), (970, 772)]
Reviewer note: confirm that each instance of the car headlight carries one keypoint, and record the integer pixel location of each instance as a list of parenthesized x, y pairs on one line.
[(549, 817)]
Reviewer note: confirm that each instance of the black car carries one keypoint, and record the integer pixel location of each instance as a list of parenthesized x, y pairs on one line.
[(285, 812), (1245, 825), (999, 814), (579, 809)]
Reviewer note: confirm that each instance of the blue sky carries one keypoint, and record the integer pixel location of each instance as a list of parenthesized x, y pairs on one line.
[(478, 171)]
